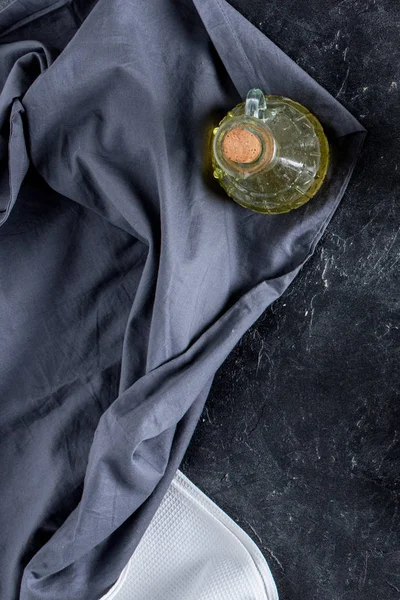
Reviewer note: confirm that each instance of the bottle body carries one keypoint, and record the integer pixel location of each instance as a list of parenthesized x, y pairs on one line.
[(271, 164)]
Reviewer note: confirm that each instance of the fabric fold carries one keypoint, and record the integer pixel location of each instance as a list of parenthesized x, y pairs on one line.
[(22, 64)]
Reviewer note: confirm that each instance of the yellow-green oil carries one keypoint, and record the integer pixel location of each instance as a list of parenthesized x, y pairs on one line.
[(300, 166)]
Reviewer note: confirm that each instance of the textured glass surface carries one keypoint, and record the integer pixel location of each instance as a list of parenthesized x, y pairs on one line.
[(297, 168)]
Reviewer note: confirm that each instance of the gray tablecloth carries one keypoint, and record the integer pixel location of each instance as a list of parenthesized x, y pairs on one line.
[(126, 275)]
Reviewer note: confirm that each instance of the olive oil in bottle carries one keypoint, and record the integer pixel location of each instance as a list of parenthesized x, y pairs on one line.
[(270, 154)]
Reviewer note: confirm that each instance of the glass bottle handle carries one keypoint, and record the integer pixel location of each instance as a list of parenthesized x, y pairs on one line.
[(256, 104)]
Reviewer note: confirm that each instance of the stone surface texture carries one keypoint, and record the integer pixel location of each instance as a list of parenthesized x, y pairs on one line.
[(300, 438)]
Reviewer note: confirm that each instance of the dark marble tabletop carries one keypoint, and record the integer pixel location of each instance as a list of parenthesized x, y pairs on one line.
[(300, 440)]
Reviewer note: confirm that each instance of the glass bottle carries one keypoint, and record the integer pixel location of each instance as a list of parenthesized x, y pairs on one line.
[(270, 154)]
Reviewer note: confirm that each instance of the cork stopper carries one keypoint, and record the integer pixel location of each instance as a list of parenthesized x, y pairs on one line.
[(241, 146)]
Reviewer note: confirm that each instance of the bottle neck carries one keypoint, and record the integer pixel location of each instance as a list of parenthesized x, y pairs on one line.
[(248, 149)]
